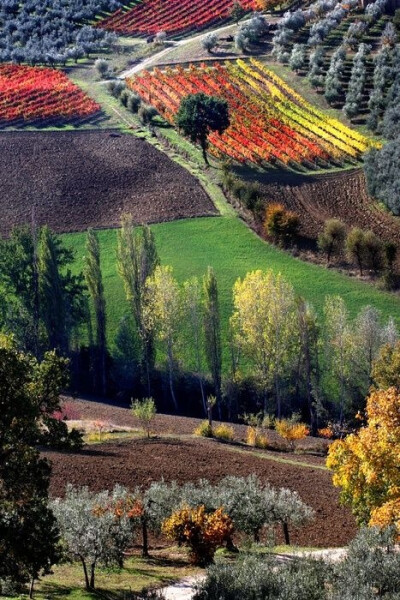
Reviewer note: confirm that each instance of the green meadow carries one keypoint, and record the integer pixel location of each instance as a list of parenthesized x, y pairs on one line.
[(232, 249)]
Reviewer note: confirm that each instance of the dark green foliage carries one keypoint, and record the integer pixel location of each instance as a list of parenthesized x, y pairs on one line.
[(29, 395), (44, 302), (212, 331), (355, 247), (237, 11), (94, 281), (199, 114), (382, 169)]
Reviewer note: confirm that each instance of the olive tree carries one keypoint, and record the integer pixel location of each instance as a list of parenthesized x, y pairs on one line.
[(92, 529)]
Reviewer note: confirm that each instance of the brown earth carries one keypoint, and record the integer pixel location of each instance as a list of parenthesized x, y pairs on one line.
[(76, 180), (141, 461), (341, 194)]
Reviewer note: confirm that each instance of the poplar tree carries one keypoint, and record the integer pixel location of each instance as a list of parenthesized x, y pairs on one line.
[(94, 282), (52, 304), (137, 259), (212, 330), (163, 316)]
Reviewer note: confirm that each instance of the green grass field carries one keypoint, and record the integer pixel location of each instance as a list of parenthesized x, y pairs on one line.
[(226, 244)]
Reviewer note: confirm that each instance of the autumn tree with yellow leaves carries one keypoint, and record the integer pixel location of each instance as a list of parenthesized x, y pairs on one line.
[(264, 323), (365, 464)]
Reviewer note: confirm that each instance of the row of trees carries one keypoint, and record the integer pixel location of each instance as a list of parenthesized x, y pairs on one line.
[(98, 528), (282, 355), (52, 31)]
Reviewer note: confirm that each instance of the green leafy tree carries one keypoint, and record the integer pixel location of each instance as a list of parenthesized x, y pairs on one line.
[(212, 330), (94, 282), (331, 240), (145, 411), (29, 395), (163, 316), (137, 259), (45, 301), (237, 12), (200, 114)]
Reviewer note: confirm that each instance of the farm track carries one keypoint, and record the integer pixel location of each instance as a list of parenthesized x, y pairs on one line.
[(76, 180)]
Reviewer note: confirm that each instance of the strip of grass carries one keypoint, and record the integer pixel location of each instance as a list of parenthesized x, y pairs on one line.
[(226, 244), (67, 580)]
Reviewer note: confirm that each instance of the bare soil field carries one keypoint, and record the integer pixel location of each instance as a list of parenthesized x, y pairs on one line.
[(76, 180), (140, 461), (340, 194)]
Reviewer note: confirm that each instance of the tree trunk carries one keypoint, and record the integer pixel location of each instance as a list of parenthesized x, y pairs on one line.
[(256, 535), (171, 380), (204, 150), (285, 528), (145, 539), (31, 587), (92, 569), (230, 546), (87, 584)]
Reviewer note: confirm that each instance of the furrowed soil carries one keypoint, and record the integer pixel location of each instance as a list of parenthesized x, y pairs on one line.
[(342, 195), (178, 456), (75, 180)]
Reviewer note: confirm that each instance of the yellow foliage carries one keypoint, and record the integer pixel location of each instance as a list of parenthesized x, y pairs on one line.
[(224, 432), (255, 438), (203, 532), (204, 430), (366, 464), (290, 430), (325, 432)]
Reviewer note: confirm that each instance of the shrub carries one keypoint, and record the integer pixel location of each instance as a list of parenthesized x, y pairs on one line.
[(204, 430), (102, 67), (134, 103), (280, 223), (202, 532), (255, 438), (145, 411), (326, 432), (331, 240), (355, 247), (291, 431), (146, 114), (209, 42), (224, 432)]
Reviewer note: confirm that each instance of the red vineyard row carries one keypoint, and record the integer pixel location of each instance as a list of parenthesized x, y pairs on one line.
[(171, 16), (36, 93)]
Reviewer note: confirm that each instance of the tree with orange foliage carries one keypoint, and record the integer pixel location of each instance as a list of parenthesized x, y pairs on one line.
[(366, 463), (202, 532), (280, 223), (291, 430)]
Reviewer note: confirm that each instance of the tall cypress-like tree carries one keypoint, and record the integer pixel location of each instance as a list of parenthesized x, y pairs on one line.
[(137, 259), (212, 330), (53, 309), (94, 282)]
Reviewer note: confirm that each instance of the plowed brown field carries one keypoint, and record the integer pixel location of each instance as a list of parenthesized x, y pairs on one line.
[(75, 180), (183, 458), (342, 195)]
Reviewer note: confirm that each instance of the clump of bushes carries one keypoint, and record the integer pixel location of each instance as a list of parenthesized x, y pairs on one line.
[(203, 532), (204, 430), (281, 224), (127, 98), (224, 432)]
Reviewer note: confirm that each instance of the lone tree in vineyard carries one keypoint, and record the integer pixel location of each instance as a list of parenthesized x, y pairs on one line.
[(200, 114)]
